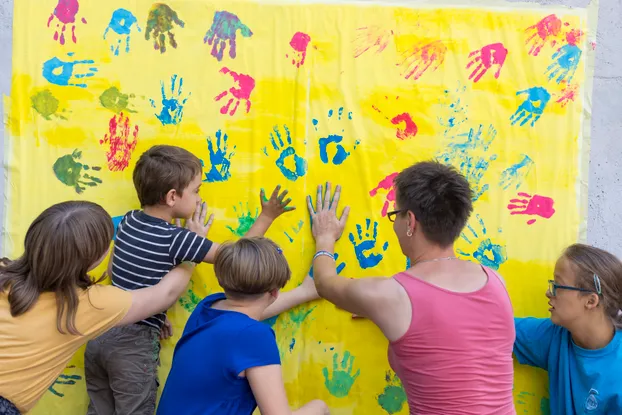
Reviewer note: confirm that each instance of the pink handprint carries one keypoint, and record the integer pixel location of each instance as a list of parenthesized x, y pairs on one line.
[(65, 12), (371, 37), (121, 140), (420, 58), (386, 184), (299, 44), (410, 128), (486, 57), (542, 32), (532, 205), (569, 93), (245, 85)]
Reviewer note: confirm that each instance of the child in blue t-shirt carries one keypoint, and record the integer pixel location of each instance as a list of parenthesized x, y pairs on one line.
[(580, 345), (227, 361)]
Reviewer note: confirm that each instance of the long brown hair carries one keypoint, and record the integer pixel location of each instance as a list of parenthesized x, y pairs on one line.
[(61, 244), (588, 261)]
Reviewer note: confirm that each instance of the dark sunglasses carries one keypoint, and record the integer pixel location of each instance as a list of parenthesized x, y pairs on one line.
[(391, 215)]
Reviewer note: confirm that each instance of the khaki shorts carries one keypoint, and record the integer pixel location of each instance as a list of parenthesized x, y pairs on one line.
[(121, 371)]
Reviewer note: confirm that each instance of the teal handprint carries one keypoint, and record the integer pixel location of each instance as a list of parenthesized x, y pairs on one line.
[(64, 380), (245, 220), (488, 254), (393, 397), (73, 173), (341, 382)]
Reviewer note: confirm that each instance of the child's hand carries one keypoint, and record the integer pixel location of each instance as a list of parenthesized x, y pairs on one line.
[(308, 287), (196, 223), (275, 206), (167, 329)]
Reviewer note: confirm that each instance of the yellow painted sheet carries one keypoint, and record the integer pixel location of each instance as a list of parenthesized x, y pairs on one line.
[(297, 94)]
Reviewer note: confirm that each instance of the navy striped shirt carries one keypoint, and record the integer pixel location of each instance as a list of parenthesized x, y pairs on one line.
[(147, 248)]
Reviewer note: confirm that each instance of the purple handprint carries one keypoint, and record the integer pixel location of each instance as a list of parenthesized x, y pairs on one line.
[(224, 28), (65, 12)]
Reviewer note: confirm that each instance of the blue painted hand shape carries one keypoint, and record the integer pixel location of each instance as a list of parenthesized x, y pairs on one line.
[(172, 108), (287, 155), (365, 244), (339, 265), (565, 63), (219, 159), (59, 72), (121, 24), (515, 174), (340, 153), (488, 254), (533, 107)]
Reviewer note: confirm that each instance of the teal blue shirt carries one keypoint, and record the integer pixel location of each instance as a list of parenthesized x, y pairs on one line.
[(581, 381)]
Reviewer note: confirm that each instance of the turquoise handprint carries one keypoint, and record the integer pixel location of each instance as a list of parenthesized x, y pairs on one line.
[(341, 382), (488, 253)]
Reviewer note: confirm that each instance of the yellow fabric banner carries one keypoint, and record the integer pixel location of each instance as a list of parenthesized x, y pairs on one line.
[(298, 94)]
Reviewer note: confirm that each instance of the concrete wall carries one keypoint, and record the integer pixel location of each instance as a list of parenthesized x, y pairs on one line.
[(605, 195)]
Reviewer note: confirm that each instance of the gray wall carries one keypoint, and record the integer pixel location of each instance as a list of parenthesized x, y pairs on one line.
[(605, 194)]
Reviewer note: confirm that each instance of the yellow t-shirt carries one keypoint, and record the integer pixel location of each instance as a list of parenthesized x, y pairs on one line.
[(32, 351)]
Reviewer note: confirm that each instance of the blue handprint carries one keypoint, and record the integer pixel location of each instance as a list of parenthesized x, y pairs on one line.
[(488, 254), (363, 246), (59, 72), (533, 107), (64, 380), (324, 142), (287, 153), (121, 23), (565, 63), (515, 174), (340, 266), (219, 159), (172, 108)]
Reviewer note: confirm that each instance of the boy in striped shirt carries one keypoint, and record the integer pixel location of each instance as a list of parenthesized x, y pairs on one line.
[(121, 365)]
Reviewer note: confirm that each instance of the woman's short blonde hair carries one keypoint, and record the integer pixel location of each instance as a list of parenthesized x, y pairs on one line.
[(251, 267)]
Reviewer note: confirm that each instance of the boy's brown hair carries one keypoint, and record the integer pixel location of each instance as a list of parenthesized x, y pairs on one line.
[(162, 168), (250, 267)]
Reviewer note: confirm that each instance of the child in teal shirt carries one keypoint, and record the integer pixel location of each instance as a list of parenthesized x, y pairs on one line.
[(580, 345)]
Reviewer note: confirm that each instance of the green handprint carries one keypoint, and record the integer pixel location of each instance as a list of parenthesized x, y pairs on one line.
[(342, 380), (46, 104), (245, 220), (299, 314), (115, 100), (190, 300), (393, 397), (73, 173), (160, 22)]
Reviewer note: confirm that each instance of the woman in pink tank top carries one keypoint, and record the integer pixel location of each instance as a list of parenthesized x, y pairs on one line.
[(449, 322)]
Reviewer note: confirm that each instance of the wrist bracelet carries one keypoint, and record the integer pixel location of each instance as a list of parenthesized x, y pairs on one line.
[(323, 253)]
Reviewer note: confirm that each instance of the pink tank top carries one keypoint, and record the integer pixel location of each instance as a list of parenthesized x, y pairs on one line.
[(456, 357)]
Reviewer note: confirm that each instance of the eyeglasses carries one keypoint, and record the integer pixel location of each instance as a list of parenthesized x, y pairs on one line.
[(553, 287), (391, 215)]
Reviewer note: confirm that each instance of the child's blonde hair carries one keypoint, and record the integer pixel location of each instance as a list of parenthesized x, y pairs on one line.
[(251, 267)]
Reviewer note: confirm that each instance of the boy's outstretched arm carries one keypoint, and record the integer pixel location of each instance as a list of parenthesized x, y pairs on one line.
[(270, 210), (304, 293)]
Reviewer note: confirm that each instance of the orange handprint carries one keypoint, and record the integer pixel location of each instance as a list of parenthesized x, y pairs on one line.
[(546, 30), (420, 58), (122, 140)]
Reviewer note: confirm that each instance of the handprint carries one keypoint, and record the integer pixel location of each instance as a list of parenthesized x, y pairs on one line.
[(532, 205), (172, 108), (421, 58), (369, 38), (121, 24), (455, 110), (224, 28), (64, 380), (114, 100), (219, 158), (241, 91), (341, 382), (65, 12), (386, 184), (486, 57), (546, 30), (364, 243), (532, 108), (488, 254), (566, 61), (46, 104), (52, 66), (160, 21), (245, 220), (298, 165), (569, 93), (295, 230), (299, 43), (393, 397), (73, 173), (515, 174), (121, 140), (334, 139)]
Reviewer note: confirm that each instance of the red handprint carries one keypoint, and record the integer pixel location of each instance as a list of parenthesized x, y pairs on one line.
[(542, 32), (486, 57), (386, 184), (299, 44), (65, 12), (420, 58), (371, 37), (532, 205), (245, 85), (122, 142), (410, 128)]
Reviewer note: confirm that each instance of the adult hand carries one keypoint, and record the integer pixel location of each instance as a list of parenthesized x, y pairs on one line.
[(325, 224)]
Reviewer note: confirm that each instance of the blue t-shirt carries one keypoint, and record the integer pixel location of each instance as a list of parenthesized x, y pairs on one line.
[(581, 381), (215, 347)]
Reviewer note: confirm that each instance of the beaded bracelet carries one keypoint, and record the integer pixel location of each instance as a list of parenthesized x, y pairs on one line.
[(321, 253)]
